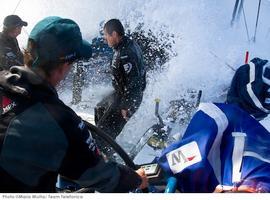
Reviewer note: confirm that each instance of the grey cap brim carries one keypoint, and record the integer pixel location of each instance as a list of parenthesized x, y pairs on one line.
[(20, 24), (23, 23)]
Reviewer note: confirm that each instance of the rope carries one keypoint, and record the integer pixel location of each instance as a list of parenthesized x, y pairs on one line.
[(240, 9), (245, 21), (24, 30), (234, 11), (220, 59), (16, 6), (258, 14)]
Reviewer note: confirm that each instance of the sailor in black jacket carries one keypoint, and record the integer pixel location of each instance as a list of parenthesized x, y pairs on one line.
[(128, 80), (41, 137), (10, 53)]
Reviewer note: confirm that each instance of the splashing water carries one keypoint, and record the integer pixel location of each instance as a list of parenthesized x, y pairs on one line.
[(204, 44)]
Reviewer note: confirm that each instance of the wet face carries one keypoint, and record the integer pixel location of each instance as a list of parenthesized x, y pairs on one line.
[(112, 39), (59, 73), (15, 32)]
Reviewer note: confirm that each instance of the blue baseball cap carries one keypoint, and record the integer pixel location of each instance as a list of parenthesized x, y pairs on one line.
[(58, 39)]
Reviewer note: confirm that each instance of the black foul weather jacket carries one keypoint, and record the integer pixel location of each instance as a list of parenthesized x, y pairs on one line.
[(128, 80), (128, 73), (40, 137), (10, 53)]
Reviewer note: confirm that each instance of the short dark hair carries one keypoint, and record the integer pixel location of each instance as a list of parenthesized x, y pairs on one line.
[(30, 56), (114, 25)]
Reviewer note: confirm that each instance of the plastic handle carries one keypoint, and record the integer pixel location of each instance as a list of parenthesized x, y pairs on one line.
[(246, 57), (157, 100), (171, 185)]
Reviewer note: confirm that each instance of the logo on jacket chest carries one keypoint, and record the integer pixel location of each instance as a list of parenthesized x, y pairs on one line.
[(127, 67), (183, 157), (7, 104)]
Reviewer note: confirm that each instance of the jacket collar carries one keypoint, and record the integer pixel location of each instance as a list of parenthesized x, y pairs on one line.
[(23, 82), (121, 43)]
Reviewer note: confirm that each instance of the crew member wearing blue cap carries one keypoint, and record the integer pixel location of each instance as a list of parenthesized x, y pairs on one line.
[(40, 137), (10, 53)]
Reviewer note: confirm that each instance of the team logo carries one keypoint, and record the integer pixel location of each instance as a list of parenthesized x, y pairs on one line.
[(127, 67), (81, 125), (91, 143), (7, 104), (183, 157)]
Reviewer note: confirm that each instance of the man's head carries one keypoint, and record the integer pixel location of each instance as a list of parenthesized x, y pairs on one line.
[(250, 88), (12, 25), (55, 42), (113, 32)]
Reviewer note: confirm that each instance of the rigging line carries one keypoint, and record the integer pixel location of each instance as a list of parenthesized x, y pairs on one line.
[(17, 6), (220, 59), (239, 10), (234, 11), (245, 21), (258, 14), (24, 30)]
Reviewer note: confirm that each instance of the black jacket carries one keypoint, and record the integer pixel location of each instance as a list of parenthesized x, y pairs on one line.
[(40, 137), (10, 53), (128, 72), (250, 88)]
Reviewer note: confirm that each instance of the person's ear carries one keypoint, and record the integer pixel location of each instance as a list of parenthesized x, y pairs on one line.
[(63, 69)]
